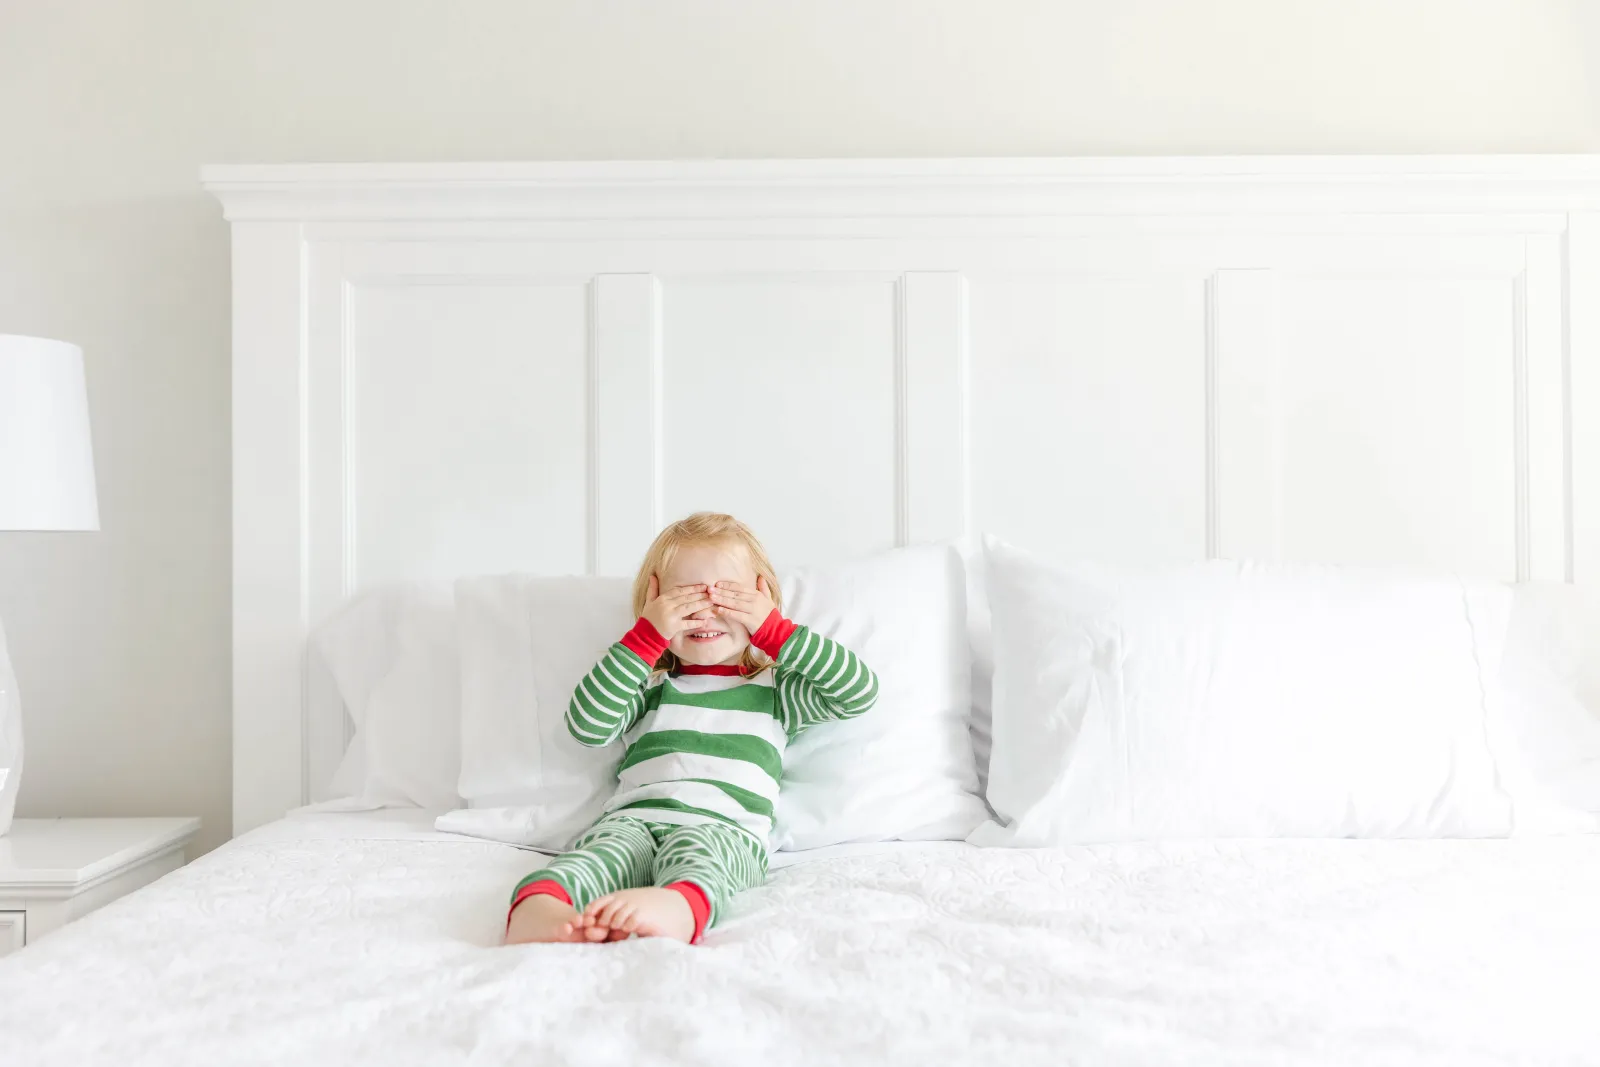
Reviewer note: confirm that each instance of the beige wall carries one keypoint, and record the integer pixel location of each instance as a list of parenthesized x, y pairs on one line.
[(108, 107)]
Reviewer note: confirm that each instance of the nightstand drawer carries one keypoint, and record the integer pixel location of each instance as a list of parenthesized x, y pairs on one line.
[(13, 930)]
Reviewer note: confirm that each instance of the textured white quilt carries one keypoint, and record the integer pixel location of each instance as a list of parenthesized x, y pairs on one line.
[(344, 940)]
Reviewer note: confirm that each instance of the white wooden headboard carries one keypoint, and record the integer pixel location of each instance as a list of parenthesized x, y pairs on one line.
[(441, 370)]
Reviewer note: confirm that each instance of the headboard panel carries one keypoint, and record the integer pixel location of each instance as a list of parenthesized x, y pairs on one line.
[(461, 369)]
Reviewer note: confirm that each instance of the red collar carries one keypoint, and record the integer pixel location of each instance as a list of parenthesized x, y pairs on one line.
[(714, 668)]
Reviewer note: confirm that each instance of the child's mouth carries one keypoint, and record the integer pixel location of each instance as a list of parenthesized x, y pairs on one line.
[(703, 636)]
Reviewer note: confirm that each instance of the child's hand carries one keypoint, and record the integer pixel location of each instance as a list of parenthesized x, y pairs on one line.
[(669, 613), (746, 606)]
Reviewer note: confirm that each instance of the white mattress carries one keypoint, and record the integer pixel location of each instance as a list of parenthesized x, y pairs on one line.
[(340, 939)]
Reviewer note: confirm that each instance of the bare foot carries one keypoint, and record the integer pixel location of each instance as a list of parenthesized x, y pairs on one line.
[(639, 912), (542, 917)]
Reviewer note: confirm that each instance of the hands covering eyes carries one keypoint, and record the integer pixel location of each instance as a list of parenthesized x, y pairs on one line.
[(670, 611)]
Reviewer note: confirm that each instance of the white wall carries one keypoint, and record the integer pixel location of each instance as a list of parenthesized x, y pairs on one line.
[(106, 110)]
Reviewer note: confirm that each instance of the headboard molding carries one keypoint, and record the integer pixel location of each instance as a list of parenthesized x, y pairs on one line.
[(456, 368), (864, 190)]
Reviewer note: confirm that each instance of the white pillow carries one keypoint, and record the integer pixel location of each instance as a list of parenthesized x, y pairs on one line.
[(525, 644), (1550, 679), (391, 653), (980, 640), (1245, 700), (903, 771)]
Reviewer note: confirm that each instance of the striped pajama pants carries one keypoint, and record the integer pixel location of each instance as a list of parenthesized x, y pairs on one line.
[(628, 852)]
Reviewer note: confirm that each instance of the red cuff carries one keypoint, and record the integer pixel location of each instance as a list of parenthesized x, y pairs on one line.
[(773, 633), (699, 906), (544, 887), (645, 641)]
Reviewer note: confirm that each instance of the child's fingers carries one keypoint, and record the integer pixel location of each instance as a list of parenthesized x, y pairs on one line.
[(682, 614), (595, 907), (596, 933)]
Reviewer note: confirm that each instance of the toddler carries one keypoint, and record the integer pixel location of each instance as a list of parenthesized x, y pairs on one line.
[(713, 682)]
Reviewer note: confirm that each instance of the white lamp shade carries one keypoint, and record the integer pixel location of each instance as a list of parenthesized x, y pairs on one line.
[(46, 463)]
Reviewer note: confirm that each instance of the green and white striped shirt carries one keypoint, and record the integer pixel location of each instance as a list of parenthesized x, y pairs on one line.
[(709, 747)]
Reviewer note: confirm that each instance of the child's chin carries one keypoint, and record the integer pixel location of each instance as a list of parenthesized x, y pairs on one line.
[(708, 654)]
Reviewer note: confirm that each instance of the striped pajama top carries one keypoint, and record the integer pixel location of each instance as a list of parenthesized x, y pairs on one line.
[(708, 748)]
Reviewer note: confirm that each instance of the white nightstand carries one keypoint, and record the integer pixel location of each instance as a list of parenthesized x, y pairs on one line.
[(54, 870)]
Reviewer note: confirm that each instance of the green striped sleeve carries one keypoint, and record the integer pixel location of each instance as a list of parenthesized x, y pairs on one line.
[(819, 680), (610, 698)]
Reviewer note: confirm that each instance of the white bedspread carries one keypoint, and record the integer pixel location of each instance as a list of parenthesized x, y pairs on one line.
[(356, 940)]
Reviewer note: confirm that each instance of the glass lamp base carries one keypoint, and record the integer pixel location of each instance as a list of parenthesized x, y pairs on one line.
[(10, 738)]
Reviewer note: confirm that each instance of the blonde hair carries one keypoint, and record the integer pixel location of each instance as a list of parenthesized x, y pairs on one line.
[(705, 528)]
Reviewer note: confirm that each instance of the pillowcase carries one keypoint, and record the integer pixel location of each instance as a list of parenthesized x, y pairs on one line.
[(1247, 700), (525, 644), (980, 641), (1550, 680), (391, 653), (902, 771)]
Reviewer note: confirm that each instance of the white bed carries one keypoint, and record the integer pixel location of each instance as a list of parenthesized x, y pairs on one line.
[(346, 939), (451, 370)]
